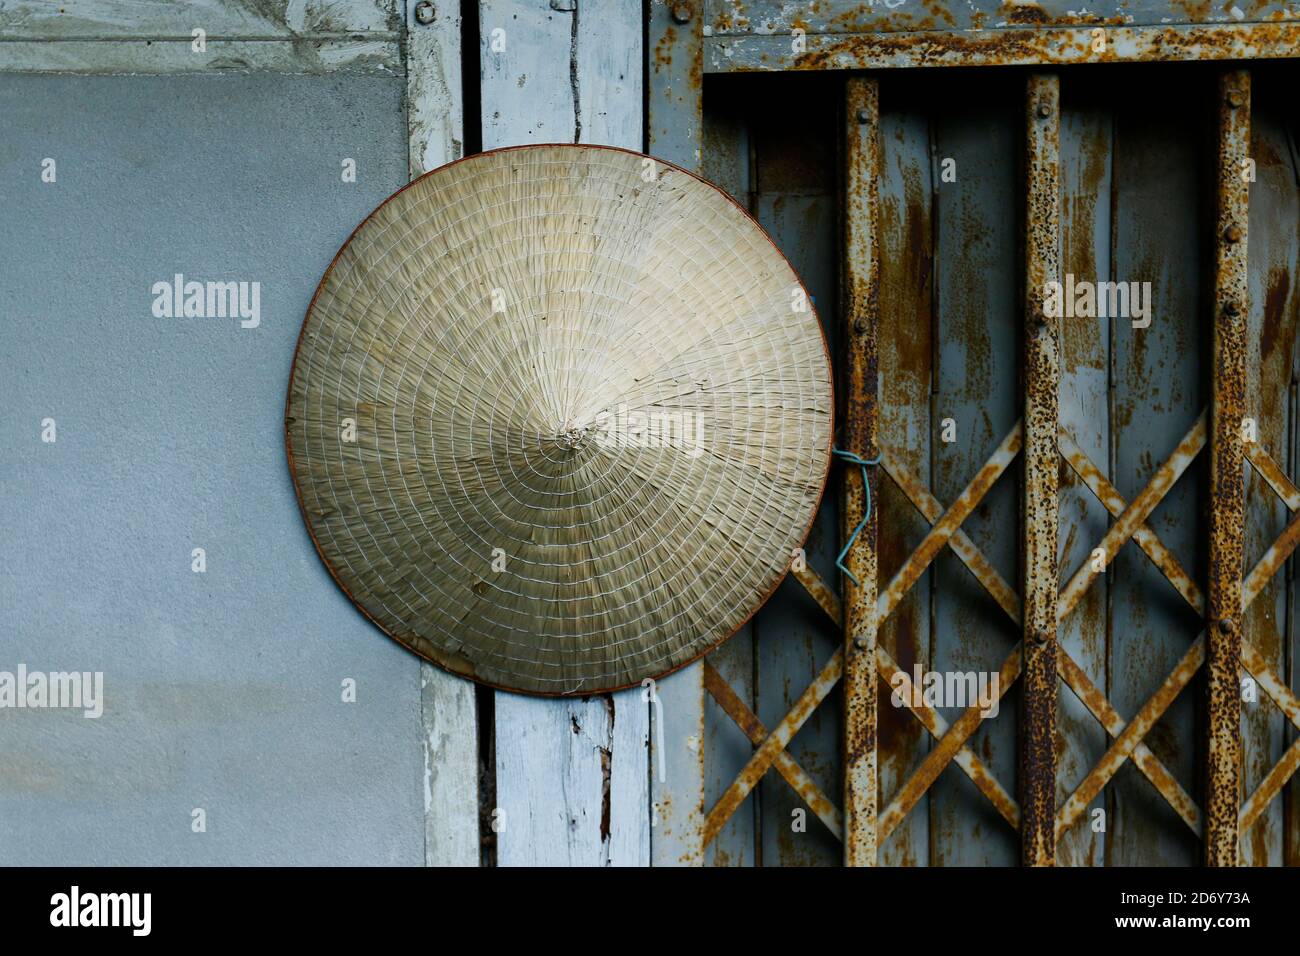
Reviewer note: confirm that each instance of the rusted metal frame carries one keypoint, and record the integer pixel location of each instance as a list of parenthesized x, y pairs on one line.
[(945, 751), (965, 758), (1144, 537), (960, 542), (1169, 566), (1041, 46), (951, 742), (1124, 744), (957, 513), (1146, 761), (1269, 787), (1273, 560), (785, 764), (1272, 472), (1258, 667), (860, 335), (934, 722), (1227, 478), (774, 744), (820, 592), (1041, 508), (1074, 676), (1136, 514), (1252, 662)]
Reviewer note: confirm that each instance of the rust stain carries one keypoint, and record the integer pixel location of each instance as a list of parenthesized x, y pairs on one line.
[(1063, 40), (860, 335), (1227, 488)]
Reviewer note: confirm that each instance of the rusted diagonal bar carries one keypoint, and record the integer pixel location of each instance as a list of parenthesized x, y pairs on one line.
[(960, 542), (952, 519), (862, 287), (944, 751), (1272, 473), (929, 718), (1041, 509), (1146, 761), (1271, 563), (1259, 668), (1145, 538), (933, 721), (775, 743), (1136, 514), (1129, 738), (1269, 787), (1227, 479), (785, 764), (820, 592)]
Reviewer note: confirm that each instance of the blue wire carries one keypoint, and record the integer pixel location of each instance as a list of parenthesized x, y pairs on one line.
[(866, 516)]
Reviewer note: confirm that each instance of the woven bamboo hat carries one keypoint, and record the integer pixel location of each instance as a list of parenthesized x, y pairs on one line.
[(559, 417)]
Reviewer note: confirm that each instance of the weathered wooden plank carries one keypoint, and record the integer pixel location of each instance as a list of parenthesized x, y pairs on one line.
[(157, 19), (860, 335), (907, 185), (367, 54), (571, 774), (1156, 376), (976, 386), (1084, 408), (1041, 512), (675, 127), (435, 124), (434, 98), (1273, 332)]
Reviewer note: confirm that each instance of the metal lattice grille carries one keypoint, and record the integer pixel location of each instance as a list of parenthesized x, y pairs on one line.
[(1043, 443)]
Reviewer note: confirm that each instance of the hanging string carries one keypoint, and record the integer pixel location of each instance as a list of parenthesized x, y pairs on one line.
[(866, 511)]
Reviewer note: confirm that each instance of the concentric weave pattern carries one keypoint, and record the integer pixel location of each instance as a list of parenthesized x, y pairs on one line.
[(559, 417)]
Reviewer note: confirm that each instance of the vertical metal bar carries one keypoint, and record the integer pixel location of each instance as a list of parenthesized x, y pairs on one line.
[(1227, 484), (862, 290), (1041, 511)]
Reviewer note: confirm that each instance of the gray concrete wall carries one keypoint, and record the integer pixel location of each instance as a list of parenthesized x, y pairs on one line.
[(222, 690)]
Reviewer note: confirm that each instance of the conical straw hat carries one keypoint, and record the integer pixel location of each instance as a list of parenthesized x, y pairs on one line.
[(559, 417)]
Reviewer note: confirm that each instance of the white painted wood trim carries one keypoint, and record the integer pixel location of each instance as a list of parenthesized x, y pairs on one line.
[(572, 775), (449, 714)]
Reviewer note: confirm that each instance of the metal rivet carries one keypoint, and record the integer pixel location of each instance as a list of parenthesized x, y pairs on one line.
[(1044, 109), (860, 326), (1231, 308), (424, 12), (1236, 99), (860, 642), (681, 13), (1040, 319), (1227, 625), (1232, 234), (864, 116), (1041, 636)]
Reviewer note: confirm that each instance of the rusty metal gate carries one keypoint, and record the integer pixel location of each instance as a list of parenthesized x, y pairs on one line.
[(1086, 498)]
